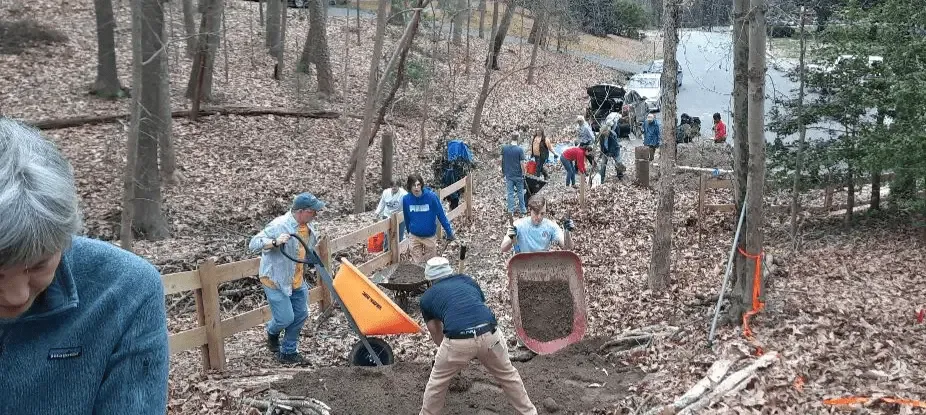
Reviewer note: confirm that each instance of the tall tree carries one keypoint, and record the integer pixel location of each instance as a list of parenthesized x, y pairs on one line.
[(152, 116), (207, 46), (482, 18), (476, 126), (661, 259), (189, 26), (460, 17), (540, 34), (499, 35), (802, 135), (740, 112), (107, 83), (755, 182), (274, 20), (396, 12), (315, 51)]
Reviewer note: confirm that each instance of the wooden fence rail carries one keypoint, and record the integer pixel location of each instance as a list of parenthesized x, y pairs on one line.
[(211, 330)]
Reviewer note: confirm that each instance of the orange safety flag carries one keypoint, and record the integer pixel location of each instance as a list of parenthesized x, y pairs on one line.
[(756, 304), (852, 400)]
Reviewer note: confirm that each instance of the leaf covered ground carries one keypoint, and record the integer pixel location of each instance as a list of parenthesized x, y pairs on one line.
[(841, 311)]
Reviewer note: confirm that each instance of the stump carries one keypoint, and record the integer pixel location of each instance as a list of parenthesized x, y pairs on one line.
[(642, 161)]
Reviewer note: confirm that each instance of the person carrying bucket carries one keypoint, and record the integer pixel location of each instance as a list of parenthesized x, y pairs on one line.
[(464, 328), (422, 209), (282, 279), (537, 233)]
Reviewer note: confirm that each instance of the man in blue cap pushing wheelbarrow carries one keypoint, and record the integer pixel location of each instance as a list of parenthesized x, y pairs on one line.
[(463, 328), (282, 279)]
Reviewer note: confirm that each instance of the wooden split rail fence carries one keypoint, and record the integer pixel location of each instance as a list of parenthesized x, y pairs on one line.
[(212, 329)]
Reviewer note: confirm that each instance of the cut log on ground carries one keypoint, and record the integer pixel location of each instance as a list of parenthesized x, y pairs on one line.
[(714, 375), (59, 123), (731, 384)]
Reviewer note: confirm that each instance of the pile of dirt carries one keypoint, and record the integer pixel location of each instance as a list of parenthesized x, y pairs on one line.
[(576, 379), (407, 274), (546, 309)]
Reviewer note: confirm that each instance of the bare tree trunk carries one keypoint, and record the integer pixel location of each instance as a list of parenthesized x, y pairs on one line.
[(482, 18), (153, 95), (126, 236), (661, 259), (315, 51), (850, 194), (538, 41), (274, 18), (802, 137), (107, 76), (755, 184), (432, 69), (207, 47), (281, 51), (396, 17), (189, 26), (875, 203), (386, 164), (502, 31), (476, 127), (460, 16), (469, 14), (740, 117), (540, 24), (260, 10)]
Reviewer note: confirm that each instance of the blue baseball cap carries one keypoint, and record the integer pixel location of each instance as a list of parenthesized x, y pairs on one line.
[(307, 201)]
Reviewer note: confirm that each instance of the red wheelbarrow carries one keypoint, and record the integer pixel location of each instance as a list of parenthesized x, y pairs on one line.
[(369, 311), (555, 269)]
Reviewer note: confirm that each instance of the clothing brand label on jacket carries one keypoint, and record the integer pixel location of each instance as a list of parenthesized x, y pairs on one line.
[(419, 208), (64, 353)]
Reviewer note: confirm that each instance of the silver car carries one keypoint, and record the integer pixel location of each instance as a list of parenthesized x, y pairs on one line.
[(656, 67), (648, 86)]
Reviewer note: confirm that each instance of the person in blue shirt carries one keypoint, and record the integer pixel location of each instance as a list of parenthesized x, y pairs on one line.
[(513, 159), (422, 209), (83, 328), (537, 233), (463, 328), (652, 134)]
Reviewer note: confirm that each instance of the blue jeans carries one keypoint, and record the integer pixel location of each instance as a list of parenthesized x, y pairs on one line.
[(287, 315), (515, 186), (570, 171), (604, 165)]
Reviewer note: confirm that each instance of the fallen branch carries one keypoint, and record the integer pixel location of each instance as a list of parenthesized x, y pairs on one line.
[(639, 337), (714, 375), (59, 123), (303, 405), (731, 384)]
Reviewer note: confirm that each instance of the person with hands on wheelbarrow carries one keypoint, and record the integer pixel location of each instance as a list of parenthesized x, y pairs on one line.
[(463, 328), (537, 233), (422, 209), (283, 279)]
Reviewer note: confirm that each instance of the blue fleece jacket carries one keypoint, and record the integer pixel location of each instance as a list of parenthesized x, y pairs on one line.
[(94, 342), (422, 213)]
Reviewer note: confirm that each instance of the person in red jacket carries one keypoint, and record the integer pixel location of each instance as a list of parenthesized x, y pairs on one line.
[(720, 129), (573, 160)]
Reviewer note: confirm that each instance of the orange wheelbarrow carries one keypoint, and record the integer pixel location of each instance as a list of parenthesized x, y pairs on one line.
[(541, 286), (369, 311)]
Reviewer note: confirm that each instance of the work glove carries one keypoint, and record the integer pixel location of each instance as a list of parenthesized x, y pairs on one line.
[(512, 232), (569, 225)]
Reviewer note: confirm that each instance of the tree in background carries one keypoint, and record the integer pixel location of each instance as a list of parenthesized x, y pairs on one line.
[(207, 46), (315, 50), (107, 83)]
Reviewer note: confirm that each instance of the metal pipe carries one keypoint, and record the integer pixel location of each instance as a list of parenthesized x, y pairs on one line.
[(726, 277)]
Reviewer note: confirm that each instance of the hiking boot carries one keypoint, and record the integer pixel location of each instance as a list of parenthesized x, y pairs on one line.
[(292, 359), (273, 342)]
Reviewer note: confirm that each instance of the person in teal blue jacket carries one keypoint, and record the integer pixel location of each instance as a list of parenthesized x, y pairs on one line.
[(421, 209), (83, 328)]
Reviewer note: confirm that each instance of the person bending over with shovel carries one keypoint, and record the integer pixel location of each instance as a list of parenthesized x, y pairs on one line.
[(422, 209), (82, 323), (537, 233), (282, 279), (463, 328)]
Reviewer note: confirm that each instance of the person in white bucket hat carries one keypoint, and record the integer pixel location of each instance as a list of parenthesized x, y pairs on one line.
[(463, 328)]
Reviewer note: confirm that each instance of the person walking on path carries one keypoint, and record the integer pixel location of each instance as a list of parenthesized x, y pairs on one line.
[(83, 328), (390, 202), (513, 170), (536, 233), (463, 328), (652, 134), (573, 160), (720, 129), (422, 209), (585, 134), (283, 279), (540, 152)]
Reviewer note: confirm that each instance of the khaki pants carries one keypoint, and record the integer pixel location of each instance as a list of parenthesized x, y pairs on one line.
[(455, 355), (422, 249)]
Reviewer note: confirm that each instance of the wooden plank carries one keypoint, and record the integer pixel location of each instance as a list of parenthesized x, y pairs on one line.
[(186, 340), (452, 188), (180, 282), (201, 320), (459, 211), (238, 270), (581, 178), (702, 188), (212, 314), (722, 207), (719, 183), (373, 265), (242, 322), (360, 235), (469, 198), (394, 249)]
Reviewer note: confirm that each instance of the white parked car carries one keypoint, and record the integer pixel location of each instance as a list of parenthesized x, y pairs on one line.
[(656, 67), (647, 85)]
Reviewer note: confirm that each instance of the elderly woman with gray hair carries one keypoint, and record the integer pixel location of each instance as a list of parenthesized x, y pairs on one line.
[(82, 323)]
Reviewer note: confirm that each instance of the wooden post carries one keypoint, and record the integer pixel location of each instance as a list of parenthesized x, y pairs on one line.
[(702, 189), (209, 279), (201, 321), (582, 190), (641, 161), (324, 252), (388, 147), (468, 196), (395, 253)]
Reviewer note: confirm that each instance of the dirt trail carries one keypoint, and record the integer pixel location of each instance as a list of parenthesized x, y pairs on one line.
[(576, 378)]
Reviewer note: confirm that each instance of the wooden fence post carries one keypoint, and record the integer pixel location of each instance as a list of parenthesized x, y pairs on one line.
[(468, 196), (395, 253), (324, 253), (702, 189), (582, 190), (201, 321), (209, 279), (641, 162), (388, 146)]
